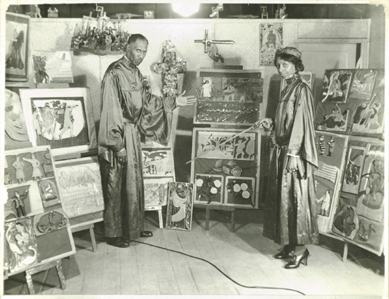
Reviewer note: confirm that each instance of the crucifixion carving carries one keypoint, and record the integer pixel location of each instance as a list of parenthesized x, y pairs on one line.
[(208, 42)]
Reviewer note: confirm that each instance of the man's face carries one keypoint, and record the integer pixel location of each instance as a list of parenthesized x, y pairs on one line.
[(136, 51)]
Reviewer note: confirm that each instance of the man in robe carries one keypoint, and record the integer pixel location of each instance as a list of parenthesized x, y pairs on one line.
[(129, 110)]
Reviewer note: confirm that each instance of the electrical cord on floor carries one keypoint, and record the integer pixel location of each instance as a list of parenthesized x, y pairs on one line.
[(201, 259)]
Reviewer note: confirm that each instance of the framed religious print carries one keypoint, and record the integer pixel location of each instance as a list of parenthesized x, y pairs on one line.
[(79, 183), (271, 37), (218, 154), (228, 97), (331, 150), (359, 216), (179, 206), (16, 46), (20, 246), (33, 167), (54, 237), (61, 118)]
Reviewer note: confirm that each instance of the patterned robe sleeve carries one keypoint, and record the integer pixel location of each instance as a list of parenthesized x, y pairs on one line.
[(111, 129)]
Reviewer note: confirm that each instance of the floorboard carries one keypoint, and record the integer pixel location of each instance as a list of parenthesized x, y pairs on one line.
[(244, 255)]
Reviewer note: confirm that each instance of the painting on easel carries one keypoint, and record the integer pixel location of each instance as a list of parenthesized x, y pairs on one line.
[(61, 118)]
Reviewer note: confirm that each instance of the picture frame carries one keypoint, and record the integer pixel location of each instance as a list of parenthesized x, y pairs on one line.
[(209, 189), (179, 210), (16, 46), (79, 183), (228, 97), (240, 192), (271, 38), (336, 86), (62, 118), (157, 163), (353, 169)]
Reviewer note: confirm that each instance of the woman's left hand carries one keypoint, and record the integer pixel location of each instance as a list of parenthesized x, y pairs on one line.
[(295, 164)]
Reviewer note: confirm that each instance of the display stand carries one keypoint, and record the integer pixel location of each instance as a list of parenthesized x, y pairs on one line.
[(220, 208), (81, 227), (159, 210), (44, 267)]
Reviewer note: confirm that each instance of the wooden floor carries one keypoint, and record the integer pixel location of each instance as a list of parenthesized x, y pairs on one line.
[(245, 256)]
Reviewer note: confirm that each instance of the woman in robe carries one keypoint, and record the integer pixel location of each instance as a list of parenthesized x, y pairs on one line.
[(290, 204)]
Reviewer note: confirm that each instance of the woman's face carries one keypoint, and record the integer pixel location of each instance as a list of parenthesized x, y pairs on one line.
[(285, 68)]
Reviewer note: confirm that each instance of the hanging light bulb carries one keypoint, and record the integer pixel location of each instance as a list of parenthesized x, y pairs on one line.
[(186, 8)]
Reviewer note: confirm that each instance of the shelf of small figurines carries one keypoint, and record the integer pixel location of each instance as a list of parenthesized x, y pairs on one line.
[(99, 38)]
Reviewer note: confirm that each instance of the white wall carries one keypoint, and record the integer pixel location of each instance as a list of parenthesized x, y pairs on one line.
[(55, 35)]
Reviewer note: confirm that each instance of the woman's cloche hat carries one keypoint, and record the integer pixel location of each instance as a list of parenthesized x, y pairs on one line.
[(289, 50)]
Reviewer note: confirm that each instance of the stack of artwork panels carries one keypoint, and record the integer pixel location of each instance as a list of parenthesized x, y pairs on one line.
[(225, 167), (228, 97), (352, 102), (61, 118), (271, 39), (29, 178), (360, 210), (80, 186), (158, 170), (179, 206), (331, 150), (42, 238)]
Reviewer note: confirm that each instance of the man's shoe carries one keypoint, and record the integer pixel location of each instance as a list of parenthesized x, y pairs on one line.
[(118, 242), (146, 234)]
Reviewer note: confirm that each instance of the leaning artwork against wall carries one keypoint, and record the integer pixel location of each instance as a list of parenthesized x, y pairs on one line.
[(359, 215)]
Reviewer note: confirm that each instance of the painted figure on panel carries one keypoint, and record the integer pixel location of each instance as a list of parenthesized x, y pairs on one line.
[(363, 84), (36, 167), (21, 244), (325, 201), (19, 165), (15, 59), (290, 206), (346, 221), (18, 203), (336, 85)]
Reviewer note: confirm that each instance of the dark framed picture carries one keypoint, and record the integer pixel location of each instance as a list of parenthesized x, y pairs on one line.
[(61, 118), (16, 47)]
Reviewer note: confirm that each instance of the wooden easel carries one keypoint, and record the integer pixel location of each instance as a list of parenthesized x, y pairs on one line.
[(41, 268)]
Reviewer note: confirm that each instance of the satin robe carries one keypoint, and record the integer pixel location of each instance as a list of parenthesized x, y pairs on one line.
[(128, 110), (290, 204)]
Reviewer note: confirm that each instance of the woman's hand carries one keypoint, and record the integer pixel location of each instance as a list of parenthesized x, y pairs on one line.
[(295, 164), (266, 123), (185, 101)]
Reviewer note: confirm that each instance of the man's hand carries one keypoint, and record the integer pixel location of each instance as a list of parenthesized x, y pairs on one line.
[(122, 156), (185, 101)]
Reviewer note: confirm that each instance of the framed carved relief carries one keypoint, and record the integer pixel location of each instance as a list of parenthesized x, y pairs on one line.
[(228, 97), (61, 118)]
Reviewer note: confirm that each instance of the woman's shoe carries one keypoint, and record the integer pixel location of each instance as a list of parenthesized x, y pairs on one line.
[(297, 260), (284, 254)]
